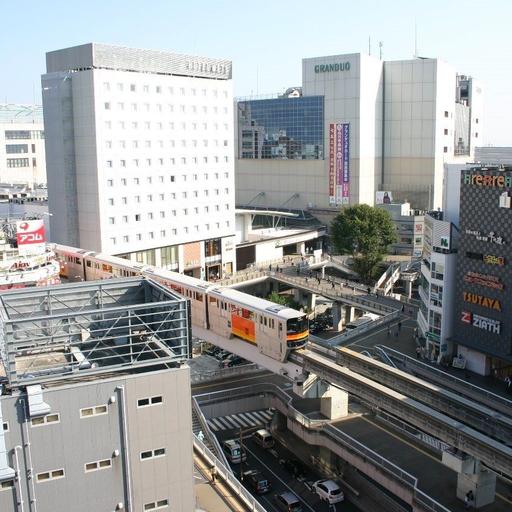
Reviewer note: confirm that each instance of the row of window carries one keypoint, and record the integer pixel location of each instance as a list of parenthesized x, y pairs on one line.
[(158, 89), (163, 233), (156, 505), (18, 162), (24, 134), (170, 108), (12, 149), (152, 454), (161, 179), (159, 125), (136, 162), (172, 195), (162, 214)]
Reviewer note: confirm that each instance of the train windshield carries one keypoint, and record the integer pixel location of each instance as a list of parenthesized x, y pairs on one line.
[(297, 325)]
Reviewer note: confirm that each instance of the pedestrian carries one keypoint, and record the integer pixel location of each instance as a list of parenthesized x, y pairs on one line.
[(318, 279), (418, 352), (306, 280), (508, 382), (399, 325), (270, 268), (389, 331), (298, 270), (468, 499), (369, 290), (200, 436), (403, 308), (396, 333), (277, 268), (333, 284), (213, 472)]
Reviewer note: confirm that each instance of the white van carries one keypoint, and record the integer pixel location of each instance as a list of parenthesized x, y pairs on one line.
[(264, 438), (233, 452)]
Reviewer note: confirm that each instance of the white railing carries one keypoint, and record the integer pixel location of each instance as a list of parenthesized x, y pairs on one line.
[(223, 373), (224, 472)]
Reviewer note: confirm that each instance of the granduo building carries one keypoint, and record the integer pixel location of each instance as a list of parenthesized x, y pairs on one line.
[(483, 324), (356, 126)]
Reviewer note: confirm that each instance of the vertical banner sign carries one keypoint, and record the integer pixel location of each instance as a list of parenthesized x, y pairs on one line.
[(30, 236), (332, 172), (346, 164), (339, 163)]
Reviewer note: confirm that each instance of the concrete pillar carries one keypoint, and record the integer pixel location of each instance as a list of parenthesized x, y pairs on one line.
[(471, 476), (301, 248), (408, 288), (311, 301), (297, 296), (323, 272), (334, 401), (337, 316), (350, 314)]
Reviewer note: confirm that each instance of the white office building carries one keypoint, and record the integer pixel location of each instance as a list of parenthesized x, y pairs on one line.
[(22, 152), (140, 151), (357, 125)]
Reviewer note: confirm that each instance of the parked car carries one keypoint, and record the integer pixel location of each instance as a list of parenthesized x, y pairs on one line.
[(264, 438), (328, 490), (232, 360), (222, 355), (295, 467), (288, 502), (258, 482), (212, 351)]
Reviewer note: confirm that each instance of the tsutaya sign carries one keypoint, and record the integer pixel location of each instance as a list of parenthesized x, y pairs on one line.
[(339, 163), (327, 68), (481, 300)]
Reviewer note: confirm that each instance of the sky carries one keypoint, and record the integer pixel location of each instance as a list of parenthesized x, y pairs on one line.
[(266, 40)]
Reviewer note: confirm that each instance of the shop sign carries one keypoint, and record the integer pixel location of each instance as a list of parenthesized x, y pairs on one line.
[(483, 280), (483, 180), (488, 259), (482, 300), (327, 68), (481, 322), (491, 237)]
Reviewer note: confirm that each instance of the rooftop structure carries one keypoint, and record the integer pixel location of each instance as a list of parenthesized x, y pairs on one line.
[(89, 328), (12, 113)]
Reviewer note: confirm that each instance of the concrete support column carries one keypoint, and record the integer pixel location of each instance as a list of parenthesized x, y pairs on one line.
[(350, 314), (301, 248), (297, 296), (311, 301), (323, 272), (338, 312), (408, 288), (471, 476), (334, 401)]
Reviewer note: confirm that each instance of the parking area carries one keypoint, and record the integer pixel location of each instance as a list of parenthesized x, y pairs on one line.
[(283, 471)]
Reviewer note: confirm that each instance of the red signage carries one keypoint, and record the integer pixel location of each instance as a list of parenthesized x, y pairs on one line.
[(30, 236)]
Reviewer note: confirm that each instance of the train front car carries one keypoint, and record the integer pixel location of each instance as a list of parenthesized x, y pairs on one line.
[(297, 329)]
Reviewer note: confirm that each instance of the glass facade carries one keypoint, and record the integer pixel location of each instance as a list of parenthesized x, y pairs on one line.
[(281, 128)]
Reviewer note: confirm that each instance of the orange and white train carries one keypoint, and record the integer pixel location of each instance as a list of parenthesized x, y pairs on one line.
[(274, 329)]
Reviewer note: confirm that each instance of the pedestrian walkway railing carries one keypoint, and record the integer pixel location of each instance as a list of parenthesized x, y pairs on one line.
[(207, 432), (223, 471), (324, 434), (478, 393)]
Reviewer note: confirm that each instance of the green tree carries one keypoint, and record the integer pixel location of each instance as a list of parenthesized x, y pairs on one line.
[(284, 300), (364, 232)]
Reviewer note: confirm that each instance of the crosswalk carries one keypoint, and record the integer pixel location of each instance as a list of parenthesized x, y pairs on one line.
[(240, 420)]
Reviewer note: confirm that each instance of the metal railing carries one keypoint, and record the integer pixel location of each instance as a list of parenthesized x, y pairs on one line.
[(207, 431), (487, 397), (224, 472)]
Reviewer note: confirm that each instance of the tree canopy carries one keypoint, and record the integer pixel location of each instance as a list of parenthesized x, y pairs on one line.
[(364, 232)]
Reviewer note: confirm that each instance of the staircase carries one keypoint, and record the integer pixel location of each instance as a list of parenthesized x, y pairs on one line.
[(196, 428)]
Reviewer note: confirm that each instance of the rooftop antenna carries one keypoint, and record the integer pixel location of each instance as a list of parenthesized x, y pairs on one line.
[(369, 45), (381, 44), (257, 80), (415, 41)]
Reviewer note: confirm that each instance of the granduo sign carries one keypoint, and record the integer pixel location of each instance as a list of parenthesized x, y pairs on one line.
[(326, 68), (481, 300), (482, 322)]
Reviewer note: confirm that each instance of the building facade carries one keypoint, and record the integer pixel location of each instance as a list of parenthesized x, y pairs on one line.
[(483, 327), (22, 151), (100, 418), (357, 126), (140, 152)]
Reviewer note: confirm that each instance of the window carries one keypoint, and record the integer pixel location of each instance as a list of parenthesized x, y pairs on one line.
[(120, 87), (152, 454), (162, 233), (111, 220), (111, 201), (139, 236), (123, 163), (137, 199), (151, 235), (106, 86), (476, 120), (153, 400), (476, 135), (445, 149), (124, 200), (17, 148), (125, 219), (137, 217), (162, 215), (96, 466), (132, 88), (113, 240), (446, 131), (156, 505), (5, 426), (50, 475), (107, 105), (17, 162), (158, 89), (161, 197), (8, 484), (136, 181), (150, 215), (110, 183), (98, 410)]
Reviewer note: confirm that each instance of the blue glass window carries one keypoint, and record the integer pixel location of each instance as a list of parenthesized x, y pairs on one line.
[(282, 128)]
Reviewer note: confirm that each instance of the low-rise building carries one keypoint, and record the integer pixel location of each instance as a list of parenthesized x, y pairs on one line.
[(95, 409)]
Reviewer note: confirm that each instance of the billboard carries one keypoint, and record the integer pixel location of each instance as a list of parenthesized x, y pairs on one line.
[(30, 236), (339, 163), (383, 197)]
